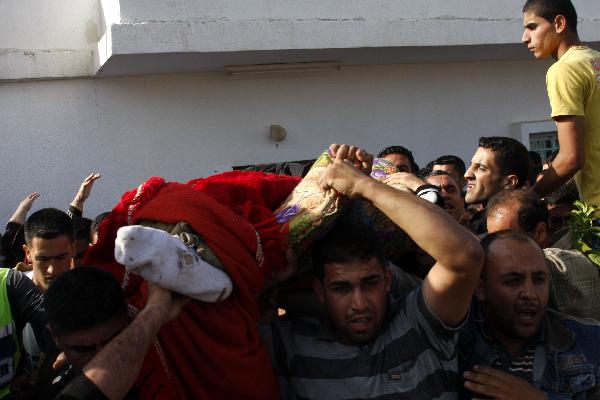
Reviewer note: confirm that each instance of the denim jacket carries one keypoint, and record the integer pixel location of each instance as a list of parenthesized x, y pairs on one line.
[(566, 363)]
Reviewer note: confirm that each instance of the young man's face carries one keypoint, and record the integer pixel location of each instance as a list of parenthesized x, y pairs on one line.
[(401, 162), (50, 258), (82, 345), (484, 178), (514, 290), (453, 201), (540, 36), (355, 294)]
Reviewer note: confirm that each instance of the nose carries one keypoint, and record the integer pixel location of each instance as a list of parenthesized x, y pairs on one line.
[(469, 173), (359, 301), (50, 268), (528, 290), (525, 39)]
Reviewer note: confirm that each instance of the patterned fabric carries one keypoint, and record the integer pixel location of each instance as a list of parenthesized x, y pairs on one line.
[(394, 240), (521, 365), (575, 284), (308, 212)]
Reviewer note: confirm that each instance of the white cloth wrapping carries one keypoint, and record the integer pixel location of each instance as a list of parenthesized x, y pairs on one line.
[(167, 262)]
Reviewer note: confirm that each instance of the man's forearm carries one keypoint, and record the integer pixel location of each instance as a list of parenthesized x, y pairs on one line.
[(115, 368), (430, 226), (554, 177)]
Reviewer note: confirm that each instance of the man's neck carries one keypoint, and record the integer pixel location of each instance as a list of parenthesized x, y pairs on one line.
[(565, 45)]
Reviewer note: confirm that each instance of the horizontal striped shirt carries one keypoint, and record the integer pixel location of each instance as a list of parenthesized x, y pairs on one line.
[(414, 357)]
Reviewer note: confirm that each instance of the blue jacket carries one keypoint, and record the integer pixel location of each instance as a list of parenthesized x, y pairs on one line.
[(566, 362)]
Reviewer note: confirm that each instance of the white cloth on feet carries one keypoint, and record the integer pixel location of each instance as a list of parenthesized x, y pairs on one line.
[(167, 262)]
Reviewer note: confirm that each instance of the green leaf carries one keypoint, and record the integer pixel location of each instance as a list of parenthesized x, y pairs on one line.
[(595, 258)]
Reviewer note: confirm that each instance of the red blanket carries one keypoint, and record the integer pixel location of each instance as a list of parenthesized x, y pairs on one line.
[(212, 350)]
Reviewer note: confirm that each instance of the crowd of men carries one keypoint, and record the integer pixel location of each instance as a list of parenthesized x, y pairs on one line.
[(492, 298)]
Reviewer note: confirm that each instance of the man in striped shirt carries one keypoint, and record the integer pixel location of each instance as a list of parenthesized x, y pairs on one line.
[(375, 345)]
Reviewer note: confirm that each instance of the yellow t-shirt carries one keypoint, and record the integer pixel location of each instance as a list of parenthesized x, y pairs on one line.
[(573, 84)]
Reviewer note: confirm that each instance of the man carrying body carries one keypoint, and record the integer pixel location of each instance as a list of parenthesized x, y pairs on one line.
[(371, 349), (499, 163), (513, 347), (573, 84), (104, 347)]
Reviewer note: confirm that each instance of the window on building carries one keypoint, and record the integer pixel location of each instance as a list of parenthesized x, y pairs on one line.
[(543, 143)]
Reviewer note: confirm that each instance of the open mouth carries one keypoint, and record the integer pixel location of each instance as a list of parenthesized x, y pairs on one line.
[(361, 324), (527, 315)]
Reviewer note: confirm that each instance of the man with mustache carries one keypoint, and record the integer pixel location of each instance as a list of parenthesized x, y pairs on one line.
[(375, 345), (513, 346)]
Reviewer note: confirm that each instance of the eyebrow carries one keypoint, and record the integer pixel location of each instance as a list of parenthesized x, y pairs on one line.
[(51, 256), (370, 278)]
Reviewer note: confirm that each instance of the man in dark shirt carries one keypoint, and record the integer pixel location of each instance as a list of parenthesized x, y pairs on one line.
[(106, 347), (20, 302)]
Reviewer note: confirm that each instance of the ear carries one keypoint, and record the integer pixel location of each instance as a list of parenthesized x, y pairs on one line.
[(540, 233), (511, 181), (560, 24), (319, 290), (27, 251), (480, 291)]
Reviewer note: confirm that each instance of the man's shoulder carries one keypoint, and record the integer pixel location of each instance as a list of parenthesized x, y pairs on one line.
[(585, 331), (576, 60)]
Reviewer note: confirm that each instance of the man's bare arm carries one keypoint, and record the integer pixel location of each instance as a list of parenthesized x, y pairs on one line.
[(115, 368), (84, 191), (450, 284), (20, 214), (570, 158)]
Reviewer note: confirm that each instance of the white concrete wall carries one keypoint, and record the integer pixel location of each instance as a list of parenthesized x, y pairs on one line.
[(185, 126), (41, 38)]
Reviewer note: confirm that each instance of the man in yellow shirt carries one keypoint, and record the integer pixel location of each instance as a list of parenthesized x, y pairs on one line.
[(573, 84)]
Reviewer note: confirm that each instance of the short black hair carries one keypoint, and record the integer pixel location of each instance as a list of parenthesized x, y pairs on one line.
[(82, 228), (531, 208), (400, 150), (96, 223), (439, 172), (82, 298), (347, 241), (458, 163), (510, 154), (549, 9), (48, 223)]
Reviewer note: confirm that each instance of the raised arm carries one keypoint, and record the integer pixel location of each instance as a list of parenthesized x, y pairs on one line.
[(459, 257), (115, 368), (570, 158), (84, 191), (20, 214)]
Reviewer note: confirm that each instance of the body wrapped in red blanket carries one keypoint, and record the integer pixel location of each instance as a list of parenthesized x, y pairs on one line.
[(212, 351)]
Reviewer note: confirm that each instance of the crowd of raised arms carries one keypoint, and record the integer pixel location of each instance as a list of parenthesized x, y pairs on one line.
[(362, 277)]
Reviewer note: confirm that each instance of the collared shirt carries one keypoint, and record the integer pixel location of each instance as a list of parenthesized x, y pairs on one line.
[(575, 284), (566, 362), (414, 356)]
